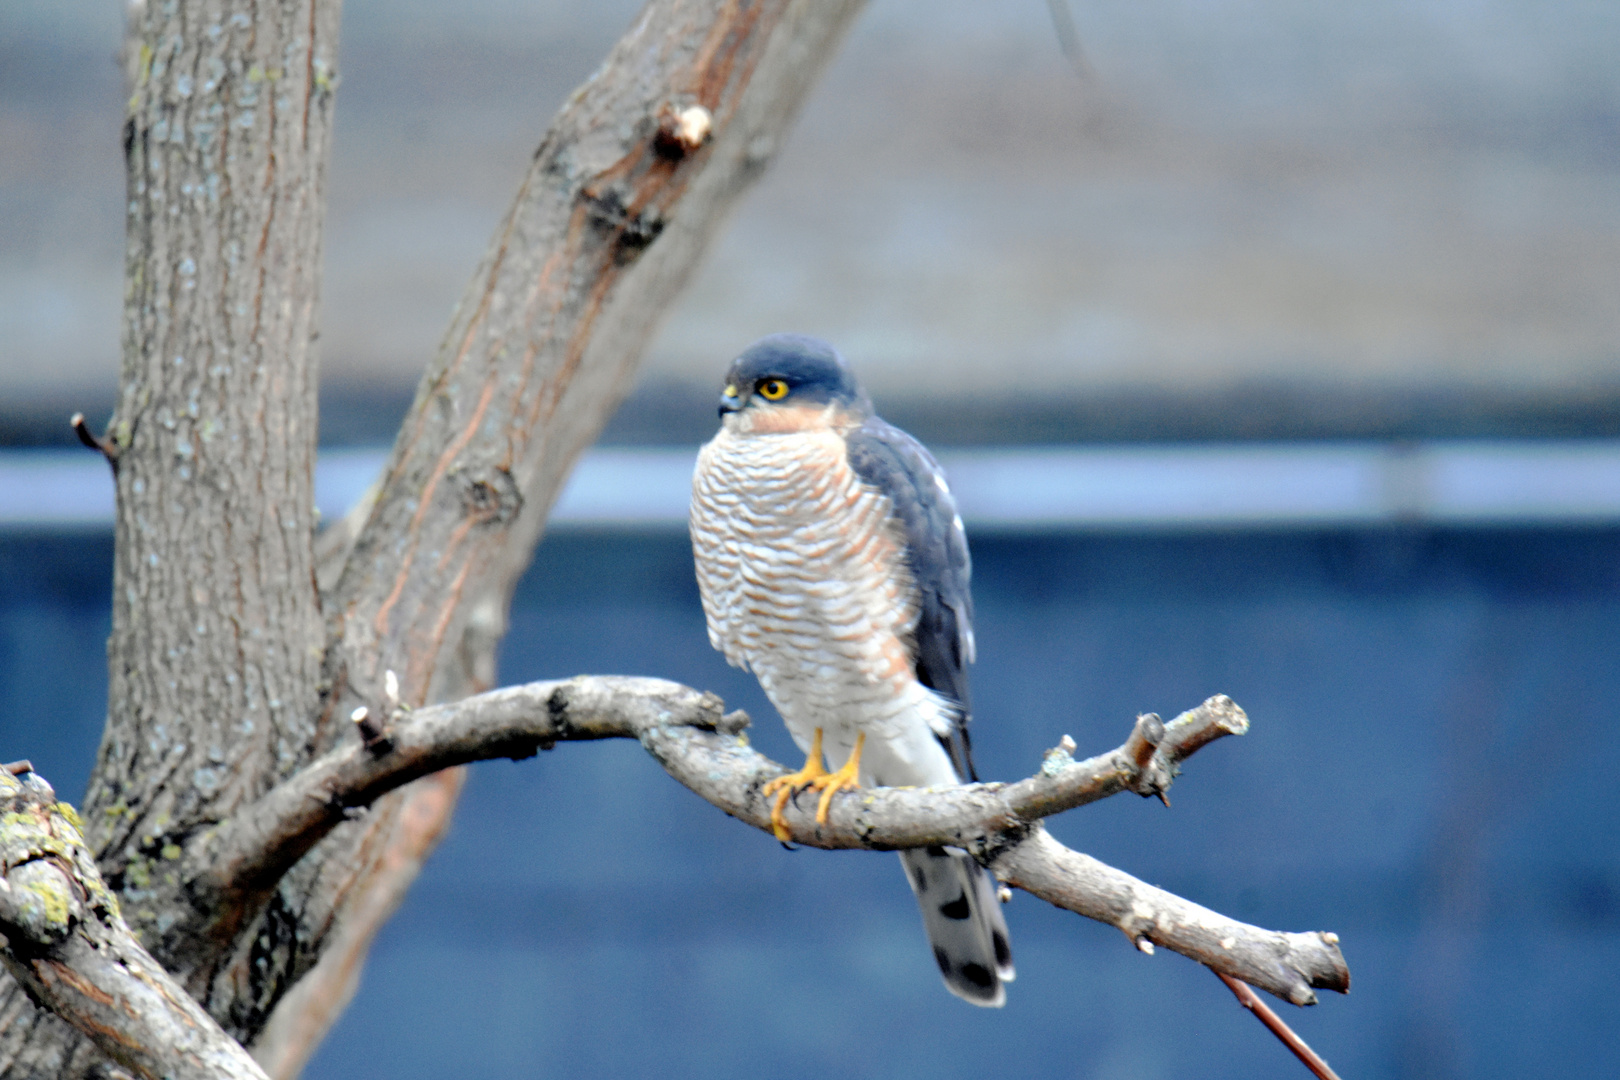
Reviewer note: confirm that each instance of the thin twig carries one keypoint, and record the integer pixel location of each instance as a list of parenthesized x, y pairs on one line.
[(1251, 1001), (91, 440)]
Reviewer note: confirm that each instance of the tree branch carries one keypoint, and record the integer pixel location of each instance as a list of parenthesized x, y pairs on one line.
[(612, 218), (704, 748), (67, 945), (295, 1029), (1287, 965)]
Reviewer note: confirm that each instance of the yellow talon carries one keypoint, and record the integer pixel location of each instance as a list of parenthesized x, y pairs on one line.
[(847, 776), (793, 783), (813, 777)]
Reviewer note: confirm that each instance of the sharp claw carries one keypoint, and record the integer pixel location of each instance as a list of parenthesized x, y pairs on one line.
[(778, 823), (788, 787)]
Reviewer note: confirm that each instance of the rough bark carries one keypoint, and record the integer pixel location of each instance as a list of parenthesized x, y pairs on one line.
[(214, 656), (62, 938)]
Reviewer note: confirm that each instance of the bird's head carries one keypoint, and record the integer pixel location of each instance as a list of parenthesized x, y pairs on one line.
[(789, 382)]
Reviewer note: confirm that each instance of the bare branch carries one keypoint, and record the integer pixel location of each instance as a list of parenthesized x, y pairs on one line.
[(685, 730), (704, 748), (1146, 764), (250, 853), (1287, 965), (1274, 1023), (616, 211), (67, 945)]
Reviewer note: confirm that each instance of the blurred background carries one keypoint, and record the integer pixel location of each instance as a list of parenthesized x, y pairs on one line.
[(1275, 350)]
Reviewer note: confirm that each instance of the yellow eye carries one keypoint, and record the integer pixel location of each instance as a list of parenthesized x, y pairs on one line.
[(773, 389)]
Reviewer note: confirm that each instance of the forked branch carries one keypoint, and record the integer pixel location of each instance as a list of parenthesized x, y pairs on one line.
[(703, 747)]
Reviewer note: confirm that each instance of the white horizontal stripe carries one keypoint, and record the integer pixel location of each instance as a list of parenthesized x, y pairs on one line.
[(1521, 482), (55, 487)]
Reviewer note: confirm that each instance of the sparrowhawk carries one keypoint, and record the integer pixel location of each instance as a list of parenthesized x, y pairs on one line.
[(832, 563)]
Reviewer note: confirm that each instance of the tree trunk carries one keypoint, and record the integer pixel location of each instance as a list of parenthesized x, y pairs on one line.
[(214, 658)]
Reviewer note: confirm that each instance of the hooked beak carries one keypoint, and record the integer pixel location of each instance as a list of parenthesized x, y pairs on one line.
[(731, 401)]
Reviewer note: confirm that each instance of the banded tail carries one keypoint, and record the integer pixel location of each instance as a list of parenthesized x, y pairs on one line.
[(962, 916)]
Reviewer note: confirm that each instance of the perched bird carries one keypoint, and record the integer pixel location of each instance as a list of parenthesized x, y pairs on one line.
[(833, 564)]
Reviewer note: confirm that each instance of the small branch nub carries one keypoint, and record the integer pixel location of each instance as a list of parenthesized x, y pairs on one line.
[(1058, 758), (734, 722), (90, 439), (377, 732), (1145, 739), (681, 131), (372, 732)]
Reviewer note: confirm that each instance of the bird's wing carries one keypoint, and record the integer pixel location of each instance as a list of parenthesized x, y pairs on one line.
[(900, 467)]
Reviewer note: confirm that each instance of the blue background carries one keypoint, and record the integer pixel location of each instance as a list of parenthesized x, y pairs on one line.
[(1431, 774)]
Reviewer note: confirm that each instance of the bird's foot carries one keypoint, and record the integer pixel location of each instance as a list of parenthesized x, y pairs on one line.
[(785, 787), (847, 776)]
